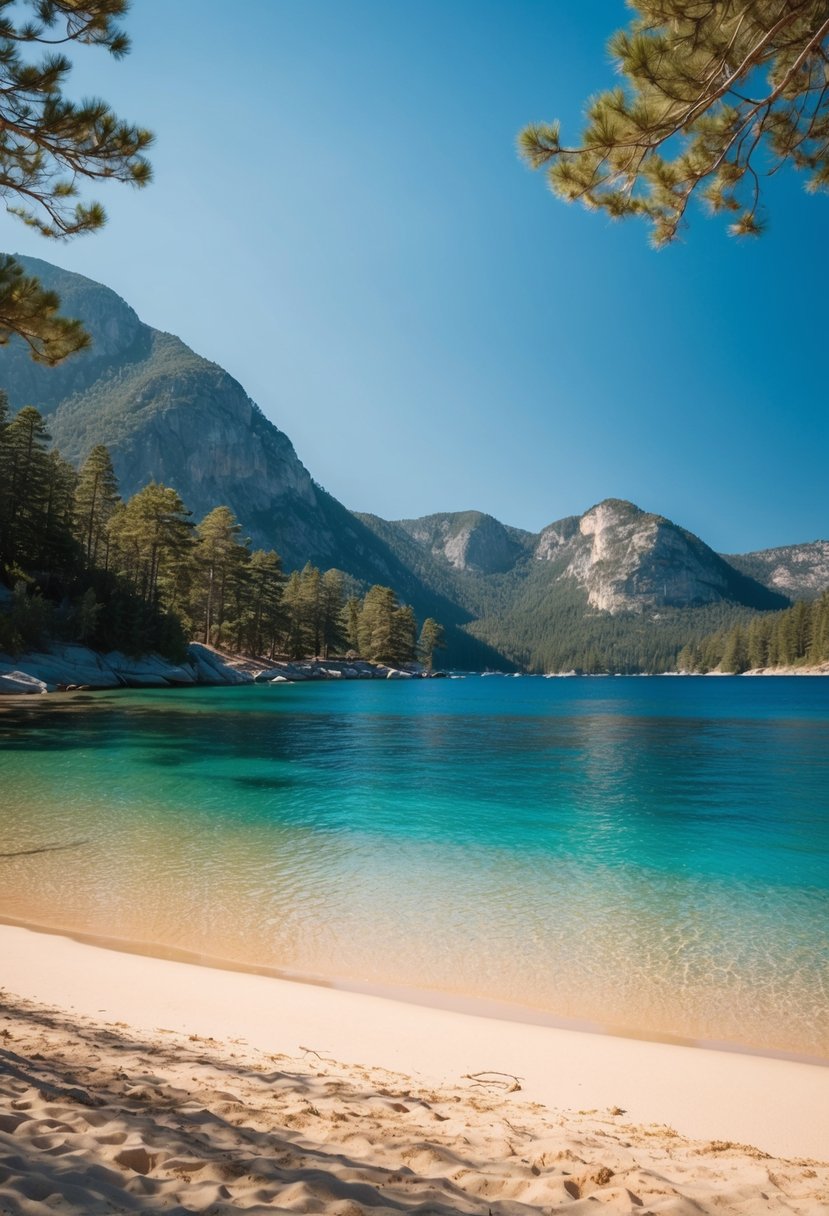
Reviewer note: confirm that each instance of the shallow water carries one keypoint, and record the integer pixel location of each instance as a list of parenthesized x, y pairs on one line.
[(651, 855)]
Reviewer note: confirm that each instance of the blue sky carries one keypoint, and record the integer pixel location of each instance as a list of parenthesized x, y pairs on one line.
[(340, 219)]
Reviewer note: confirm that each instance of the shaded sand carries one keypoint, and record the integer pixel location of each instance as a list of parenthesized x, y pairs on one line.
[(131, 1084)]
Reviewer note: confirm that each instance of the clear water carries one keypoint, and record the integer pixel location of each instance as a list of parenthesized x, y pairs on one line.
[(651, 855)]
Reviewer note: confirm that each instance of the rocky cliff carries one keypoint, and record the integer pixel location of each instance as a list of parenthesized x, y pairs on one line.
[(629, 560), (169, 415), (469, 540), (617, 588), (620, 584), (624, 559), (798, 571)]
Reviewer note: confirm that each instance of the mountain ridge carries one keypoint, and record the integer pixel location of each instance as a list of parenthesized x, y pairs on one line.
[(507, 594)]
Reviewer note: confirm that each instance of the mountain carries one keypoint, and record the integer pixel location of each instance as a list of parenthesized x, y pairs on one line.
[(170, 415), (616, 587), (625, 559), (798, 571)]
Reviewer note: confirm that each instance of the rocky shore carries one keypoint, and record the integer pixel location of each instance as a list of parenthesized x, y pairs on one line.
[(70, 667)]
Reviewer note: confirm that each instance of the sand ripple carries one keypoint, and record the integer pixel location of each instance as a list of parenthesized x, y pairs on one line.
[(98, 1118)]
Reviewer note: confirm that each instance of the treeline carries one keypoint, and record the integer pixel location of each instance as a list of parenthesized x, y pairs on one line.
[(139, 575), (796, 636), (561, 634)]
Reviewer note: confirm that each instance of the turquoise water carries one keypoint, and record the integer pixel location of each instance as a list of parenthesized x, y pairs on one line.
[(651, 855)]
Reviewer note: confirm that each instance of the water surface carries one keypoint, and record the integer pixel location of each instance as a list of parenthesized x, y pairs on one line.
[(651, 855)]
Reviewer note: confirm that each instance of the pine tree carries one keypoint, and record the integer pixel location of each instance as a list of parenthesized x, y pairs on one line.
[(47, 145), (26, 475), (220, 558), (386, 630), (96, 497), (404, 635), (432, 638), (58, 550), (819, 648), (352, 622), (376, 626), (311, 608), (331, 604), (152, 536), (735, 653), (757, 644), (713, 95), (802, 625), (5, 468), (262, 617), (296, 637)]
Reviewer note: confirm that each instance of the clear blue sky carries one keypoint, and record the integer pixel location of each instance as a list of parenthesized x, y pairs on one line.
[(340, 219)]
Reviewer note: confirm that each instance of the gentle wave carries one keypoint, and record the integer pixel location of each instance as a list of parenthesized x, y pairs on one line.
[(648, 855)]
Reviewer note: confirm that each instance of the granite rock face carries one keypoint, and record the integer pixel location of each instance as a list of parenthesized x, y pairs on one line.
[(72, 666), (169, 415), (799, 571), (630, 561), (622, 558), (469, 540)]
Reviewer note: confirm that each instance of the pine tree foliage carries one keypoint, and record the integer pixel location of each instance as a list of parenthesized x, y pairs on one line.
[(798, 636), (151, 536), (261, 617), (37, 488), (715, 94), (220, 558), (431, 638), (386, 629), (49, 144), (30, 312), (332, 612), (138, 575), (96, 498)]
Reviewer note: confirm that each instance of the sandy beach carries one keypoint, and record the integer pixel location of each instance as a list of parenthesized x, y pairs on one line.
[(136, 1084)]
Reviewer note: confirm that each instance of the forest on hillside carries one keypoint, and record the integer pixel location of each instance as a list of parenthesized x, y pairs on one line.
[(797, 636), (77, 563)]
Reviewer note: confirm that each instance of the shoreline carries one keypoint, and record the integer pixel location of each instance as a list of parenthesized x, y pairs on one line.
[(730, 1096), (466, 1005), (72, 667)]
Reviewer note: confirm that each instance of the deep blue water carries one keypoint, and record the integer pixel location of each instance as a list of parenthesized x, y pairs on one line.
[(649, 854)]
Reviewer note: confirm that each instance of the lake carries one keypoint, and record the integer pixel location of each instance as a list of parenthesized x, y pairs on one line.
[(646, 855)]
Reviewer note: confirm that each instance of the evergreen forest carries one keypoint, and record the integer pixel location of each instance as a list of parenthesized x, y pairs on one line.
[(79, 564), (796, 637)]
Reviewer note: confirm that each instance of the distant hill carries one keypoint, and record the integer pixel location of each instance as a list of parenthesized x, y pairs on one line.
[(798, 571), (167, 414), (170, 415), (616, 588)]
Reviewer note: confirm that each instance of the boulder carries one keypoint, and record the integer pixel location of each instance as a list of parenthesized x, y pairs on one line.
[(148, 671), (212, 668), (15, 683), (68, 664)]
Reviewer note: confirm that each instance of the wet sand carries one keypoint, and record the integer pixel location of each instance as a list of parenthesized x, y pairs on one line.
[(131, 1083)]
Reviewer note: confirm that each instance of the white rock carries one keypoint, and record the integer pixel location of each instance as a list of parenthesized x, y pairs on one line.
[(20, 682)]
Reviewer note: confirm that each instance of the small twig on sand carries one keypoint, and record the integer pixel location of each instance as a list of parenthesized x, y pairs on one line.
[(310, 1051), (45, 848), (503, 1080), (519, 1131)]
